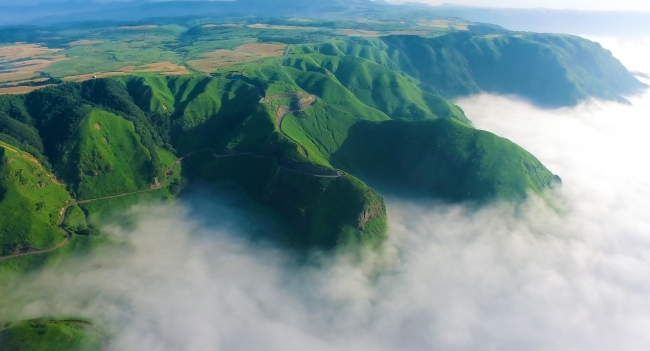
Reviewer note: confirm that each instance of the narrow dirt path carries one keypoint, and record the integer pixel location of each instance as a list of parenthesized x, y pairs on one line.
[(64, 211), (305, 101)]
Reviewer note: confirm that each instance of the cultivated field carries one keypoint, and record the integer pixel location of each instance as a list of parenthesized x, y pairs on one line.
[(214, 60), (262, 49), (166, 68), (22, 51), (20, 90), (22, 63)]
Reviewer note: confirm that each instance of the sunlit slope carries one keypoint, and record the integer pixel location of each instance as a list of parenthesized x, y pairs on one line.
[(42, 335), (336, 129), (105, 157), (239, 140), (30, 203), (372, 82), (548, 69), (92, 135), (442, 158), (349, 89)]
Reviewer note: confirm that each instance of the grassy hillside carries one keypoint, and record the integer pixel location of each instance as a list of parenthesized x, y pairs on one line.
[(105, 157), (116, 137), (48, 335), (30, 204), (442, 158), (325, 211), (92, 134), (281, 131), (271, 166), (366, 72), (548, 69)]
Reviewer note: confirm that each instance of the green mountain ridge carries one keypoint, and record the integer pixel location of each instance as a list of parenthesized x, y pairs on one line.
[(550, 70), (300, 133)]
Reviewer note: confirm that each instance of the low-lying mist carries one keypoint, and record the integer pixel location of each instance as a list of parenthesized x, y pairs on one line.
[(568, 271)]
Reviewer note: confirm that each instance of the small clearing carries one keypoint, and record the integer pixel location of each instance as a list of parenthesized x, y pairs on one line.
[(97, 126), (304, 102)]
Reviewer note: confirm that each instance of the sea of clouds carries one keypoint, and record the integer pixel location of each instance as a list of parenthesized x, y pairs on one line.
[(570, 271)]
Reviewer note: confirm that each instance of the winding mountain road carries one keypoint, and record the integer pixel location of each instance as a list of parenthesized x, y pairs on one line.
[(64, 211)]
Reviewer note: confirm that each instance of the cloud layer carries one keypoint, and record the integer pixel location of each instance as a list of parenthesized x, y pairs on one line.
[(564, 272)]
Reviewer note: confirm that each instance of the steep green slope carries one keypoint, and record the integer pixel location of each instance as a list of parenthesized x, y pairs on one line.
[(92, 134), (30, 204), (325, 208), (442, 158), (465, 165), (547, 69), (373, 83), (105, 157), (46, 335)]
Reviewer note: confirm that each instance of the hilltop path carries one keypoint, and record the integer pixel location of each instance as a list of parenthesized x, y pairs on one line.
[(157, 186)]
